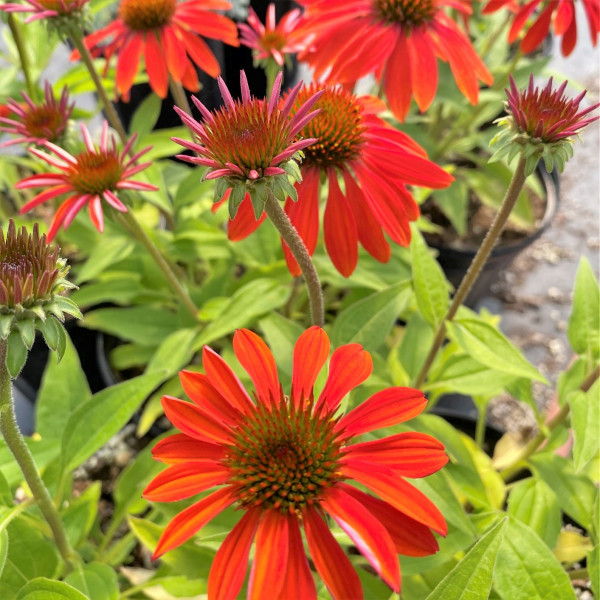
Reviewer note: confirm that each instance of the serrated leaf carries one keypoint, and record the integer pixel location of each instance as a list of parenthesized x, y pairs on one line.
[(16, 354), (94, 422), (471, 579), (488, 346), (369, 321), (584, 323), (430, 285), (526, 568), (585, 421), (42, 588), (532, 502)]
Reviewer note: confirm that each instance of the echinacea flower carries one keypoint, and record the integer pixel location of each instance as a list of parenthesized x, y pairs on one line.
[(271, 41), (248, 144), (96, 174), (399, 41), (37, 123), (560, 13), (375, 162), (288, 462), (167, 34), (47, 9), (541, 123), (32, 284)]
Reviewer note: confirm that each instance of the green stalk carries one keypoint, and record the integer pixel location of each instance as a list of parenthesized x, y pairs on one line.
[(508, 203), (294, 242), (16, 444), (22, 50), (179, 96)]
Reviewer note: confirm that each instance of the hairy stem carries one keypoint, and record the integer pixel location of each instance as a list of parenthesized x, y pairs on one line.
[(508, 203), (16, 444), (22, 51), (294, 242), (129, 220)]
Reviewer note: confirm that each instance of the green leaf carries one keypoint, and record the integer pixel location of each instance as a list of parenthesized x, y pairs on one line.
[(593, 562), (95, 421), (145, 117), (575, 493), (6, 496), (3, 549), (584, 323), (16, 354), (249, 302), (415, 344), (488, 346), (78, 517), (526, 568), (6, 322), (532, 502), (369, 321), (64, 387), (116, 291), (281, 335), (585, 421), (431, 289), (110, 251), (96, 580), (47, 589), (471, 579), (161, 142), (50, 331), (454, 202), (27, 329), (174, 352)]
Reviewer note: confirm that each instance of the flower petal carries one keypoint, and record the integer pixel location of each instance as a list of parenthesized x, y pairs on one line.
[(256, 358), (385, 408), (230, 565), (369, 535), (397, 79), (182, 481), (310, 354), (156, 65), (271, 556), (332, 564), (188, 522), (180, 448)]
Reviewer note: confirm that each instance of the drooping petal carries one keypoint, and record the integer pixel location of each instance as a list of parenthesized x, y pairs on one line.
[(397, 79), (245, 221), (256, 358), (369, 535), (384, 409), (128, 64), (271, 556), (331, 562), (188, 522), (310, 354), (230, 565), (350, 365), (180, 448), (423, 67), (156, 66), (182, 481)]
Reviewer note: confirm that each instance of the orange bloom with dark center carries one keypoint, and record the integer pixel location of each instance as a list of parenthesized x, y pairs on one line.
[(375, 163), (271, 40), (399, 41), (96, 174), (37, 123), (287, 463), (46, 9), (558, 13), (167, 34)]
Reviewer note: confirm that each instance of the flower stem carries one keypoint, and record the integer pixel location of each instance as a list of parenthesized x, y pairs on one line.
[(294, 242), (109, 108), (179, 96), (129, 220), (508, 203), (559, 418), (16, 444), (22, 50)]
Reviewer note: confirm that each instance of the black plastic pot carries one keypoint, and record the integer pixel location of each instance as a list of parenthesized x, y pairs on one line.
[(455, 262)]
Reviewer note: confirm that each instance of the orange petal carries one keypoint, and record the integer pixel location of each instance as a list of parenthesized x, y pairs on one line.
[(332, 564), (271, 556), (350, 365), (256, 358), (385, 408), (202, 393), (128, 63), (156, 66), (397, 492), (244, 222), (310, 354), (369, 535), (182, 481), (423, 67), (174, 53), (397, 80), (188, 522), (180, 448), (230, 565)]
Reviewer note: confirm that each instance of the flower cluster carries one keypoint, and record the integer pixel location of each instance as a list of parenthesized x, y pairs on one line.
[(287, 462)]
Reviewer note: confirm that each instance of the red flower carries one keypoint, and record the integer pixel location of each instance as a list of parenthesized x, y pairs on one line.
[(89, 177), (397, 40), (375, 162), (37, 123), (562, 12), (285, 462), (273, 40), (249, 144), (46, 9), (167, 33)]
